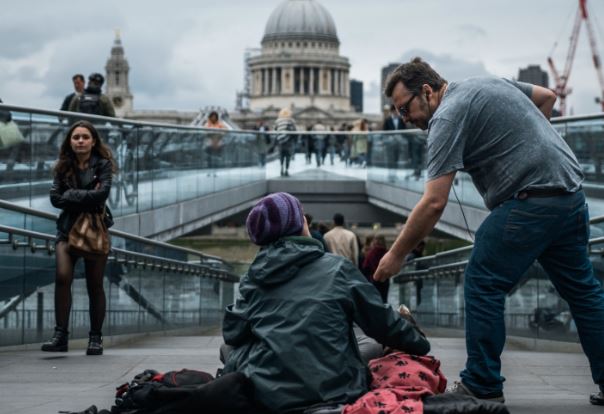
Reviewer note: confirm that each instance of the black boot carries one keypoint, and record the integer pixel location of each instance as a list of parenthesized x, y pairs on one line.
[(58, 343), (95, 343)]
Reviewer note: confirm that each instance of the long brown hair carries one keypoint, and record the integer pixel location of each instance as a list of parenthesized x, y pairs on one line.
[(66, 164)]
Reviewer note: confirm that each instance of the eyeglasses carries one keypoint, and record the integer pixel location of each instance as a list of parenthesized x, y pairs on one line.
[(77, 137), (403, 110)]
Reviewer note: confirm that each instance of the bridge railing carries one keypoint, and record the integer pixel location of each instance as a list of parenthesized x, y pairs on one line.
[(149, 285), (399, 159), (159, 164), (432, 286)]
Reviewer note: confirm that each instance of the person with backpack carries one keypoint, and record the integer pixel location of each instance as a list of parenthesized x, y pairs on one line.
[(93, 101)]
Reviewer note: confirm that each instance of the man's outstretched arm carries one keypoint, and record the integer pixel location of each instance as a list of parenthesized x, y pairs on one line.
[(420, 223)]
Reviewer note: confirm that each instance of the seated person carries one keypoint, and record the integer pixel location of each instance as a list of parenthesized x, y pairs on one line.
[(292, 329)]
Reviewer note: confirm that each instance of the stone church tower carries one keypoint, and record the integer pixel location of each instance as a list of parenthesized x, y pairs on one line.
[(117, 87)]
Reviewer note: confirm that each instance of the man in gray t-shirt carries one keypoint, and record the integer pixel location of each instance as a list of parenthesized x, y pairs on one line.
[(498, 132)]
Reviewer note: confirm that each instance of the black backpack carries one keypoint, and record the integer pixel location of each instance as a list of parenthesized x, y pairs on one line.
[(141, 394), (183, 392), (90, 103)]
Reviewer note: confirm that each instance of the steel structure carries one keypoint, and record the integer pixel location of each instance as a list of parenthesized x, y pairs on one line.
[(561, 79)]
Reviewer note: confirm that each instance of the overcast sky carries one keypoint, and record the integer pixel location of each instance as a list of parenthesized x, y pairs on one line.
[(187, 54)]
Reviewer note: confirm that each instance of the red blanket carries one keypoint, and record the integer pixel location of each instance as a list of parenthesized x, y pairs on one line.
[(399, 382)]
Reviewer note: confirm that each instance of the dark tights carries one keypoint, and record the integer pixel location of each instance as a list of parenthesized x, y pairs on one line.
[(94, 283)]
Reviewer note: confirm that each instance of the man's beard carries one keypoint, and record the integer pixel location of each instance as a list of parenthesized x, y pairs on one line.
[(425, 108)]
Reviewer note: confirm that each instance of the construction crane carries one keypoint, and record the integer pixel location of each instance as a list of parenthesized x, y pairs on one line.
[(561, 80)]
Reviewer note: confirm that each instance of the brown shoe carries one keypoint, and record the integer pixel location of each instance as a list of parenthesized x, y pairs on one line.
[(458, 387)]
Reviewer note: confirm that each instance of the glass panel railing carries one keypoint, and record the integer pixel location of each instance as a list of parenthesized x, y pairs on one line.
[(158, 164), (398, 158), (585, 135), (433, 289), (144, 292), (149, 285)]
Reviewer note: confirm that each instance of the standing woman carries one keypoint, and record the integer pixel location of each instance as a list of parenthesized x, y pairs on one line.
[(360, 143), (82, 181)]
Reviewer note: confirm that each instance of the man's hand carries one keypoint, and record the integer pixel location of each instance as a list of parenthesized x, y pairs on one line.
[(389, 266)]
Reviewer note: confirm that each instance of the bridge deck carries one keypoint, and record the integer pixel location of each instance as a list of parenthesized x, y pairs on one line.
[(34, 382)]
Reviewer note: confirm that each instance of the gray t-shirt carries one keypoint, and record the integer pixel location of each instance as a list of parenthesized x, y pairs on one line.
[(490, 128)]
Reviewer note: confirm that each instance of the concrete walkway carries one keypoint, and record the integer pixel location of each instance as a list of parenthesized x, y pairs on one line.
[(33, 382)]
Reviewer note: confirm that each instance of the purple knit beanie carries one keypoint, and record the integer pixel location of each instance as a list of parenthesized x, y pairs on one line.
[(275, 216)]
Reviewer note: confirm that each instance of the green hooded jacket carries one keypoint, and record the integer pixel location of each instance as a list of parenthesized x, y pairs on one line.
[(292, 327)]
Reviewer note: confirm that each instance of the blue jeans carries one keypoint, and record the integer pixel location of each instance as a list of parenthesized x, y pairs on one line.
[(554, 231)]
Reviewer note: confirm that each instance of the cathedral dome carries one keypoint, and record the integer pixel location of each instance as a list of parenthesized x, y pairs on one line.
[(300, 19)]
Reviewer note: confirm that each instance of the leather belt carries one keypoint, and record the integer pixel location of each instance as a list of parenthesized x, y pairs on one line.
[(542, 192)]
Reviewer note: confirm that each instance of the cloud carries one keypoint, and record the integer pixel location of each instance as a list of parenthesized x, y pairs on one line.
[(448, 66), (471, 30), (372, 95), (189, 53)]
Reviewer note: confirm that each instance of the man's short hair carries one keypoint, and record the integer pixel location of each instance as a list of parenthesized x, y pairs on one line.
[(78, 76), (413, 75), (338, 219)]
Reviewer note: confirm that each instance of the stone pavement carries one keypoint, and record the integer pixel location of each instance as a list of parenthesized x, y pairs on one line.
[(33, 382)]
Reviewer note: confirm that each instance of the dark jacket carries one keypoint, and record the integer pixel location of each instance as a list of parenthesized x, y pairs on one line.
[(292, 328), (370, 265), (67, 101), (74, 196), (316, 234), (389, 124), (5, 116), (105, 107)]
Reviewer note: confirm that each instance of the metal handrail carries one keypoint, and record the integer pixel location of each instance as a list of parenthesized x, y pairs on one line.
[(572, 118), (407, 275), (111, 120), (122, 121), (173, 264), (134, 123), (441, 255), (597, 220), (7, 205)]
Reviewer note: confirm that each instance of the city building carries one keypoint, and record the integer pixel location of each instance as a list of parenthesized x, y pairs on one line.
[(298, 66), (356, 95), (535, 75), (117, 88), (385, 72)]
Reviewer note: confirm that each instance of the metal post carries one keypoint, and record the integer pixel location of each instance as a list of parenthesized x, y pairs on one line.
[(40, 316)]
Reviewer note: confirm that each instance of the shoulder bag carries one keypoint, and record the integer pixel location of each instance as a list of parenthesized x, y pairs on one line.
[(89, 236)]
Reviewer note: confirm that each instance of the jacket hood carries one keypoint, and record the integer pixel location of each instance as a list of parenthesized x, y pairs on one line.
[(280, 261)]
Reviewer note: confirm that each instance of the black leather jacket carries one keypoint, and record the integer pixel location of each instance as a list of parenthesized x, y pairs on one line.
[(78, 194)]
